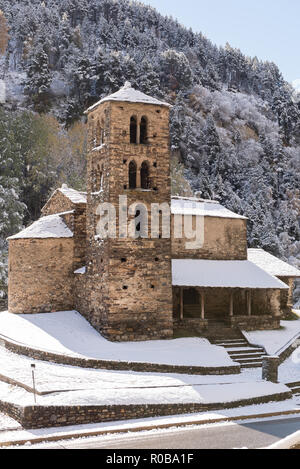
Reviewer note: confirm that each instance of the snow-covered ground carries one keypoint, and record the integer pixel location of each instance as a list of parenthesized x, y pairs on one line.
[(289, 371), (275, 341), (53, 377), (103, 387), (70, 334), (202, 394), (288, 442), (88, 386), (7, 423)]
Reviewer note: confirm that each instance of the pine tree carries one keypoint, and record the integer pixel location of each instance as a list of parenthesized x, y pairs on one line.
[(38, 81)]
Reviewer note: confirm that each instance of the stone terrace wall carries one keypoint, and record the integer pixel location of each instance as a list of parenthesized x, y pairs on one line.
[(40, 275), (118, 365), (56, 416)]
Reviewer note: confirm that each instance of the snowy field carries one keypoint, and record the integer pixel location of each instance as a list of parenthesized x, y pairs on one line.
[(104, 387), (275, 341), (69, 333), (6, 423), (200, 394), (289, 371)]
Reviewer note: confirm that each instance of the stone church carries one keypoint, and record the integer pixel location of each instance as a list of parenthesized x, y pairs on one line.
[(147, 287)]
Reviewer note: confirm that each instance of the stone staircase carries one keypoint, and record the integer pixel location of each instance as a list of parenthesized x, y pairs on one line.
[(294, 387), (240, 351), (220, 333)]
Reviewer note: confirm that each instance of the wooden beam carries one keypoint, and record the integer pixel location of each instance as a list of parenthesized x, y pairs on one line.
[(202, 305), (231, 305), (249, 303), (181, 303)]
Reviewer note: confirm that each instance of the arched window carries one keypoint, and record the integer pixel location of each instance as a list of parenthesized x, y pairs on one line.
[(133, 130), (145, 175), (132, 175), (143, 131)]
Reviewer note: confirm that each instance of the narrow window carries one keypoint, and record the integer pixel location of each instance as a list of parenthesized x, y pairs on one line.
[(99, 178), (137, 224), (143, 131), (132, 175), (145, 175), (98, 134), (102, 133), (141, 222), (133, 130)]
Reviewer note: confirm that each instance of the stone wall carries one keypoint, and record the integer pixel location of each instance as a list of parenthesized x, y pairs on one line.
[(256, 323), (128, 281), (286, 296), (57, 416), (224, 239), (40, 275), (81, 302), (118, 365), (58, 203)]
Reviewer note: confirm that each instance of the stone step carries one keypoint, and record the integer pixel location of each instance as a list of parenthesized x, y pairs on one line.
[(230, 341), (245, 350), (293, 385), (251, 365), (249, 360), (236, 345), (295, 390), (251, 355)]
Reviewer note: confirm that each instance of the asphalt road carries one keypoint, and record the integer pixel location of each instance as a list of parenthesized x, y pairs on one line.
[(257, 434)]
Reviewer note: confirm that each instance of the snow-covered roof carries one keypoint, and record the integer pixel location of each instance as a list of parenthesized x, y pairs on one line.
[(222, 274), (52, 226), (272, 264), (207, 208), (130, 95), (74, 196)]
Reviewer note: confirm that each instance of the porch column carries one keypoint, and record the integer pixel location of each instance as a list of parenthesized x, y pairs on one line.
[(231, 305), (181, 303), (138, 176), (249, 303), (202, 305)]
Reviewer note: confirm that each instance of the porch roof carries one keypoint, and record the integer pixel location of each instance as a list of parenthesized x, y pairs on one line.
[(272, 264), (222, 274)]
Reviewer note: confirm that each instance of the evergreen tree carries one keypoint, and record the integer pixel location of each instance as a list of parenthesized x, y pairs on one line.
[(38, 82)]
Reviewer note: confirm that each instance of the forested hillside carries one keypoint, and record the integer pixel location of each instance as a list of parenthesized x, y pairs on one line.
[(235, 128)]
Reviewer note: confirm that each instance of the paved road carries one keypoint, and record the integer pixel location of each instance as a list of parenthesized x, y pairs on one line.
[(243, 435)]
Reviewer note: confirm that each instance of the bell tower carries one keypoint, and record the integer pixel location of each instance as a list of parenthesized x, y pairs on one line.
[(129, 278)]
